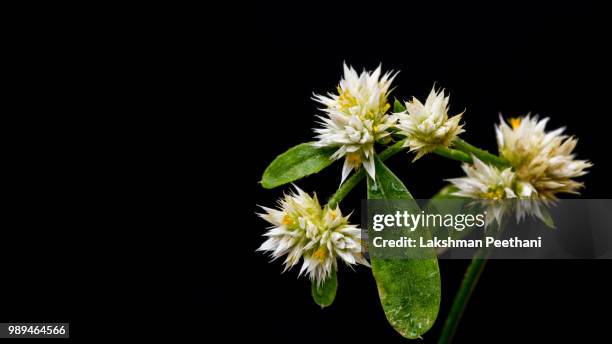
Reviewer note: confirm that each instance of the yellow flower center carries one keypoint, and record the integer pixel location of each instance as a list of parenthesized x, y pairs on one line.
[(495, 194), (346, 99), (287, 221), (354, 159), (333, 214), (515, 122), (320, 254)]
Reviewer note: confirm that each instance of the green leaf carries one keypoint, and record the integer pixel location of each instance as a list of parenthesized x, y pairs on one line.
[(398, 106), (298, 162), (546, 217), (409, 289), (447, 193), (325, 294)]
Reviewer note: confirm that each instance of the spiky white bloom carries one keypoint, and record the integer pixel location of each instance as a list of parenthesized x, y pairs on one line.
[(543, 159), (302, 229), (428, 126), (497, 190), (356, 118)]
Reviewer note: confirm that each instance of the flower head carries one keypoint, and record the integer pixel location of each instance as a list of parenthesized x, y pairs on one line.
[(499, 191), (355, 118), (428, 126), (490, 185), (302, 229), (543, 159)]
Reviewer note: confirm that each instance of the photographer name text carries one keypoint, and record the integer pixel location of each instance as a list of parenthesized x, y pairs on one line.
[(449, 242)]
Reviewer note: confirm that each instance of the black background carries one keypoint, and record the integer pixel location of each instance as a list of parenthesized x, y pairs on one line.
[(548, 60), (135, 138)]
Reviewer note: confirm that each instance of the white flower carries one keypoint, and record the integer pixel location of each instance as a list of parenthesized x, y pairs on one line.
[(428, 126), (543, 159), (489, 184), (356, 118), (302, 229), (498, 191)]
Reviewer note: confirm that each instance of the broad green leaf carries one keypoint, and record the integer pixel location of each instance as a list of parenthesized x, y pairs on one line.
[(398, 106), (409, 289), (325, 294), (298, 162)]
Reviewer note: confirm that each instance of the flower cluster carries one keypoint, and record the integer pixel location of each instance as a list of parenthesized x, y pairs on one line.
[(427, 126), (302, 229), (542, 165), (356, 118), (543, 159), (495, 187), (533, 166)]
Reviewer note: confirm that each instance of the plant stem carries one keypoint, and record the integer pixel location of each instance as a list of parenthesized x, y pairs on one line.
[(472, 274), (453, 154), (480, 153), (392, 150), (350, 183), (345, 188), (461, 154)]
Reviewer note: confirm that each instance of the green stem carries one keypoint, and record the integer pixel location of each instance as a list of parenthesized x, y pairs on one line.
[(350, 183), (346, 187), (472, 275), (481, 154), (461, 154), (453, 154), (392, 150)]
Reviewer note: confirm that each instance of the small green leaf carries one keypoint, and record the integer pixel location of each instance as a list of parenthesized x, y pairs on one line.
[(447, 193), (398, 106), (298, 162), (409, 289), (546, 217), (325, 294)]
